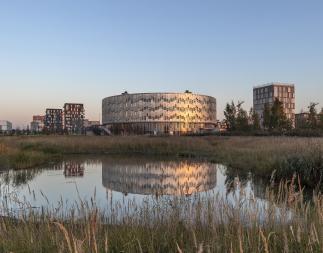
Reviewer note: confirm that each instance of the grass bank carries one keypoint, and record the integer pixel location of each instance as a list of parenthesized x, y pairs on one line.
[(263, 156), (286, 223)]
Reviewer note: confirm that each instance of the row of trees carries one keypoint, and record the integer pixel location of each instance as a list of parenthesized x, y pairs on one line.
[(274, 118), (314, 120)]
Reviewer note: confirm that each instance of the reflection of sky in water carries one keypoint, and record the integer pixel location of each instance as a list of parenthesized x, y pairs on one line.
[(118, 182)]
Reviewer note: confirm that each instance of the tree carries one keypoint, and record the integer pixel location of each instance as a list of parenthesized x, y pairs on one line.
[(230, 116), (255, 120), (312, 117), (242, 121), (320, 123), (278, 118), (266, 116)]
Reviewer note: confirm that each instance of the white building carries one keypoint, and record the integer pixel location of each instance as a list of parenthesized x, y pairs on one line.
[(5, 126)]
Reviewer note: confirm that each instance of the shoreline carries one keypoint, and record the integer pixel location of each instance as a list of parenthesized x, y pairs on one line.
[(261, 156)]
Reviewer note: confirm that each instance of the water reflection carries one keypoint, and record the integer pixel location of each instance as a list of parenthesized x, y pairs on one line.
[(73, 169), (114, 182), (159, 178)]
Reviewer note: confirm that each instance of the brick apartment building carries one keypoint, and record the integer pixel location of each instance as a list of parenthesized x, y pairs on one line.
[(73, 118), (54, 120), (38, 123)]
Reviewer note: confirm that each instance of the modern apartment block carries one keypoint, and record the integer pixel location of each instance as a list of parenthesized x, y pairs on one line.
[(38, 123), (73, 118), (266, 94), (54, 120), (5, 126)]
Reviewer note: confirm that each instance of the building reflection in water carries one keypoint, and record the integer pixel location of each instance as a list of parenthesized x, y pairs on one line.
[(159, 178), (73, 169)]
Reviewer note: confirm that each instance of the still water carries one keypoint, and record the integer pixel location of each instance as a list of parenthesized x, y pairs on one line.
[(112, 182)]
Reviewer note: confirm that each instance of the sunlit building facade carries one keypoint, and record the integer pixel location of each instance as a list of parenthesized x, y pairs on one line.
[(266, 94), (159, 113)]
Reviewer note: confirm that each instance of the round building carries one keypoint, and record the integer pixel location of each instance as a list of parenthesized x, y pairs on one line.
[(159, 113)]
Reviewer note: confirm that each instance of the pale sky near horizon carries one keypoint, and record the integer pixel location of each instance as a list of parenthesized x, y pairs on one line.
[(57, 51)]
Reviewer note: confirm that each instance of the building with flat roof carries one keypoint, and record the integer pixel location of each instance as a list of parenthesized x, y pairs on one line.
[(91, 123), (266, 94), (5, 126), (301, 119), (74, 118), (159, 113), (38, 123), (54, 120)]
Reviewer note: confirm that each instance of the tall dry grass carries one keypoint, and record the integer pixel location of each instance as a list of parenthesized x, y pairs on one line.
[(285, 223)]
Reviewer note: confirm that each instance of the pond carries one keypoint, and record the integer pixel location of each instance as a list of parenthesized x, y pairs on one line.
[(123, 184)]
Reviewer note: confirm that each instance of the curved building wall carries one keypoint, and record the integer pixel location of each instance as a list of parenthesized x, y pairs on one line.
[(162, 178), (159, 112)]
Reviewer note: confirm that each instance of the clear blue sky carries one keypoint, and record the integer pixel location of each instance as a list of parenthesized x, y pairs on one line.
[(59, 51)]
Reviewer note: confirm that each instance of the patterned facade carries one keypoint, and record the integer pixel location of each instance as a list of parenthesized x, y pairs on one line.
[(267, 94), (159, 178), (159, 113)]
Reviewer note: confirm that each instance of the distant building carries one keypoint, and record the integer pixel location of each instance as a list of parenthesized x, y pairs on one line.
[(91, 123), (301, 119), (74, 118), (54, 120), (38, 123), (5, 126), (73, 169), (266, 94)]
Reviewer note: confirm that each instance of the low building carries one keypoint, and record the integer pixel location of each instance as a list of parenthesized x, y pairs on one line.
[(266, 94), (5, 126), (54, 120), (301, 119), (91, 123), (73, 118), (38, 123)]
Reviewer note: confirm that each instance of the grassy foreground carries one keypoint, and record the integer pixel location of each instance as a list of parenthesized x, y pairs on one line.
[(263, 156), (286, 223)]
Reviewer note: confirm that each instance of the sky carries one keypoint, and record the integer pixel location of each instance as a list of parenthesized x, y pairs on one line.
[(57, 51)]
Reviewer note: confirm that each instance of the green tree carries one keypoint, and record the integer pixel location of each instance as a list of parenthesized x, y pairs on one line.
[(230, 116), (321, 119), (312, 117), (255, 120), (267, 116), (242, 120), (278, 118)]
